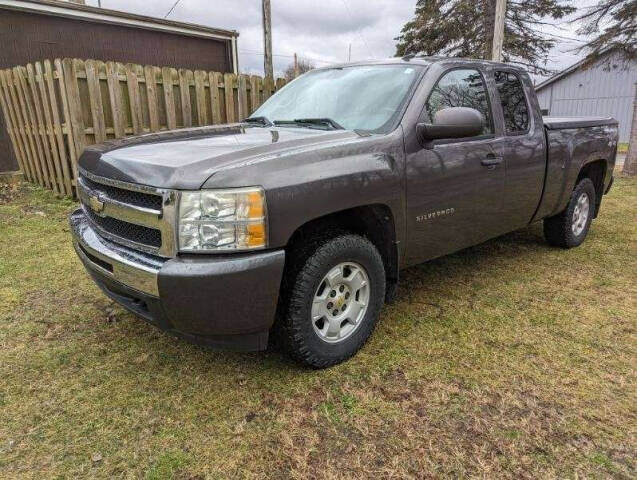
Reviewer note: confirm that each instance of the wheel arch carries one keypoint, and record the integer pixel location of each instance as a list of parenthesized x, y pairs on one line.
[(596, 171), (375, 222)]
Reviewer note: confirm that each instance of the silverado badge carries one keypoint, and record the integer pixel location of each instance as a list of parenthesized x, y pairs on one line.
[(437, 213)]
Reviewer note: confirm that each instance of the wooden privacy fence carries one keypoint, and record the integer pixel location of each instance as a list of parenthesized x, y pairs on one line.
[(54, 109)]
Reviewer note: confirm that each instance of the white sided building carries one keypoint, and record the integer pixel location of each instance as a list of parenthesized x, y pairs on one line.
[(606, 88)]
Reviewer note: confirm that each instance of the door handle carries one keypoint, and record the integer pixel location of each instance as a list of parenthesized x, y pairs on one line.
[(491, 161)]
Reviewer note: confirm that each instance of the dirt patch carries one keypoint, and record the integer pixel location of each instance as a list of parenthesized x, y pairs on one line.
[(9, 192)]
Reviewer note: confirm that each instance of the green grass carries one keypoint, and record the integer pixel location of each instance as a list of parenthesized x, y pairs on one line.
[(510, 359)]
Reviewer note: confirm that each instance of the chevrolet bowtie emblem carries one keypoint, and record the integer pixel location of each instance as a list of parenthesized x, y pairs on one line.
[(96, 204)]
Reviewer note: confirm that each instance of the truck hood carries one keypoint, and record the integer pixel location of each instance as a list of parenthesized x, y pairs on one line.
[(185, 159)]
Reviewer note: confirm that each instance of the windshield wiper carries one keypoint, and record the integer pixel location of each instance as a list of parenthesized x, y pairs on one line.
[(264, 121), (327, 123)]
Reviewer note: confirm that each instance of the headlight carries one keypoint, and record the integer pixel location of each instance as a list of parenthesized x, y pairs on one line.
[(233, 219)]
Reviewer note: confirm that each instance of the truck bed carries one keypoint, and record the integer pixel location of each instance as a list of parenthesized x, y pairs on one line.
[(560, 123), (570, 143)]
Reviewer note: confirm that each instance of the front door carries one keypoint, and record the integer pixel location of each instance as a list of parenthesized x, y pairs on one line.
[(455, 187)]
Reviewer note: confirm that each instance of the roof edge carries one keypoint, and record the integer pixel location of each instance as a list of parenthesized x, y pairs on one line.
[(568, 70), (103, 15)]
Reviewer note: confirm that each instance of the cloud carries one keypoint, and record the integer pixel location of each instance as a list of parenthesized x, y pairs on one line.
[(318, 30)]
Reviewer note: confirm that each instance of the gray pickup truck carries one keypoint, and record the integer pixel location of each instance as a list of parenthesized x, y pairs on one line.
[(296, 221)]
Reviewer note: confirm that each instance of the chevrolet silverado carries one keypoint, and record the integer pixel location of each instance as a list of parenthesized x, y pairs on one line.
[(295, 222)]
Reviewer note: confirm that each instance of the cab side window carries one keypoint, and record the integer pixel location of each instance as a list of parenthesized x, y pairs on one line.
[(460, 88), (513, 100)]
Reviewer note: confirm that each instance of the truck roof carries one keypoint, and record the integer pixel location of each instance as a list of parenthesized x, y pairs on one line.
[(424, 60)]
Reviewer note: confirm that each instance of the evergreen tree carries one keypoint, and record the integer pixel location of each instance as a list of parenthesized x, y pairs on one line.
[(464, 28), (613, 26)]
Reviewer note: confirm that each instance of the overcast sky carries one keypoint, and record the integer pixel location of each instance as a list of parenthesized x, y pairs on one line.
[(319, 30)]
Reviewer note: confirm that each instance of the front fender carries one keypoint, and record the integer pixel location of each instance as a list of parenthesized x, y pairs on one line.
[(307, 185)]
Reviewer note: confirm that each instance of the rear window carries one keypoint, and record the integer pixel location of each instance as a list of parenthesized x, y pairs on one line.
[(513, 100)]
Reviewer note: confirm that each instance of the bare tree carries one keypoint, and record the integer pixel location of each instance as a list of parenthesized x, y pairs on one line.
[(302, 66), (612, 24)]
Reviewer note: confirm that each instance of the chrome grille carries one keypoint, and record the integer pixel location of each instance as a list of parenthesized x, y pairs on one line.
[(140, 199), (137, 216), (135, 233)]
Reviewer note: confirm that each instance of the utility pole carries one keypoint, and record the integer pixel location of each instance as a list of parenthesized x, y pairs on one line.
[(498, 30), (296, 66), (267, 39)]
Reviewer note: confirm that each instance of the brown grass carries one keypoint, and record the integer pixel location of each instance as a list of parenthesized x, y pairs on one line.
[(510, 359)]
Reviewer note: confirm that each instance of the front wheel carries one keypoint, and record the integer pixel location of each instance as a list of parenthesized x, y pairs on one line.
[(332, 300), (569, 228)]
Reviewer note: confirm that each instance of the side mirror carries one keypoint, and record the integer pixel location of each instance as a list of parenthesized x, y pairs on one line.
[(453, 122)]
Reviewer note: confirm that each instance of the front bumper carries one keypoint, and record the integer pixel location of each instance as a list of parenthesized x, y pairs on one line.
[(222, 301)]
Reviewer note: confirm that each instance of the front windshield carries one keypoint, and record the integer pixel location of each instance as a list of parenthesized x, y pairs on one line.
[(359, 97)]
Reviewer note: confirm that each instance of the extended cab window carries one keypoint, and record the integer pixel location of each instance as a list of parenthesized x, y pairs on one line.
[(461, 88), (513, 100)]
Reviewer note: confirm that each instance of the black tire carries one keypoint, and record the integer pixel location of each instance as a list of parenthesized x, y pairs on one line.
[(558, 230), (304, 275)]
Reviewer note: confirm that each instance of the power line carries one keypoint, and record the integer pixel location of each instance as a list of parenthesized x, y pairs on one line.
[(172, 8), (253, 52)]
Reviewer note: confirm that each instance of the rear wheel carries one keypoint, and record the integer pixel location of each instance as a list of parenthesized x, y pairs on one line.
[(569, 228), (331, 300)]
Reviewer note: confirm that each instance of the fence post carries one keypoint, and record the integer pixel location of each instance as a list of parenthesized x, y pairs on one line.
[(75, 109), (95, 100), (150, 74), (228, 86), (215, 105), (66, 111), (200, 96), (115, 99), (185, 78), (133, 95), (242, 96), (167, 74)]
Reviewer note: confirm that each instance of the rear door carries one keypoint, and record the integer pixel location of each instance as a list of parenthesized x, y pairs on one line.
[(524, 147), (455, 187)]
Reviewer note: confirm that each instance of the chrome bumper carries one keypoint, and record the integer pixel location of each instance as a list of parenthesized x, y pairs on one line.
[(133, 269)]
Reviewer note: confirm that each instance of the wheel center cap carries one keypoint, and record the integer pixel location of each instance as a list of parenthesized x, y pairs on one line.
[(341, 296)]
